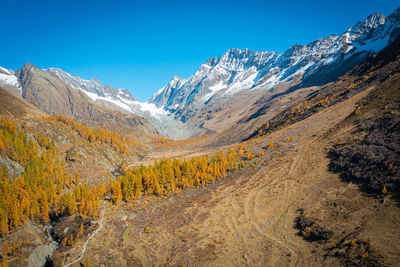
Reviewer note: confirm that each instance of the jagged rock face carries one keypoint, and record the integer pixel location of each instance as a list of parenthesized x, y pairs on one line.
[(233, 68), (237, 71), (14, 168)]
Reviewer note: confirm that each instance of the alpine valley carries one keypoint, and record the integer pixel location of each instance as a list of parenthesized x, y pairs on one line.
[(257, 159)]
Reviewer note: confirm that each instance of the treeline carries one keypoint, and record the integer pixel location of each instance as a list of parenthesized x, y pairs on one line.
[(43, 188), (166, 176), (159, 142), (116, 140)]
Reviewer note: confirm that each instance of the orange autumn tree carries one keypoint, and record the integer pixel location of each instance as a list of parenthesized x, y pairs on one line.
[(41, 188), (168, 175), (115, 139)]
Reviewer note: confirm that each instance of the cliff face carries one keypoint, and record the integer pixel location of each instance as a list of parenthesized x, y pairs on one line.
[(48, 92)]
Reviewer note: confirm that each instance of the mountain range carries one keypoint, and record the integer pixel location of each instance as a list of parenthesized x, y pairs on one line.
[(316, 63), (205, 101)]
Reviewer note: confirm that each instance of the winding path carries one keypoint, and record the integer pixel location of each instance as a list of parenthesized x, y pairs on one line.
[(100, 222)]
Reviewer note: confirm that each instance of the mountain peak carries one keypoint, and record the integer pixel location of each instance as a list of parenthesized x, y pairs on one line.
[(238, 53), (365, 25), (29, 66), (96, 80), (174, 81)]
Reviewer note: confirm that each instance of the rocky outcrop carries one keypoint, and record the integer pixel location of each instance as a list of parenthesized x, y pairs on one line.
[(69, 226), (14, 168), (40, 254)]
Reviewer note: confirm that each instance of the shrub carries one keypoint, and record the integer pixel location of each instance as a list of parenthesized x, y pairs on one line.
[(312, 231), (374, 162)]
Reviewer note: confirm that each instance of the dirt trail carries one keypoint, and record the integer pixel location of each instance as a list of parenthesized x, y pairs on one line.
[(100, 222)]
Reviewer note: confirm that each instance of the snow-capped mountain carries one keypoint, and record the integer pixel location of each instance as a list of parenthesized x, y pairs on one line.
[(228, 85), (123, 100), (318, 62), (114, 97)]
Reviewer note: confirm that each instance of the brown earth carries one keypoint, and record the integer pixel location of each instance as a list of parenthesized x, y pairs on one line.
[(249, 218)]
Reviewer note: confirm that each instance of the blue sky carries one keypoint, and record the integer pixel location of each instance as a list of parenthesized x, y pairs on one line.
[(141, 45)]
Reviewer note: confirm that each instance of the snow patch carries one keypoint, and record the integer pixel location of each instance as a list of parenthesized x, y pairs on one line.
[(271, 81), (376, 45), (303, 69), (328, 60), (96, 97), (145, 107), (348, 48), (158, 92), (152, 109), (129, 105), (215, 88), (218, 86), (242, 84)]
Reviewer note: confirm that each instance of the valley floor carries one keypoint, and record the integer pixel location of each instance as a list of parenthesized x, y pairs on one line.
[(249, 218)]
